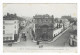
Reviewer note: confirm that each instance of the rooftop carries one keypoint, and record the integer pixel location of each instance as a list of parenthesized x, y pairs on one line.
[(43, 16)]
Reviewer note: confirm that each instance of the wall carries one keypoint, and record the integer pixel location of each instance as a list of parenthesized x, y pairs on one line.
[(57, 31)]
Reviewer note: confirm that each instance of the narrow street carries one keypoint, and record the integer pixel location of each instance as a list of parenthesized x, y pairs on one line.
[(28, 41)]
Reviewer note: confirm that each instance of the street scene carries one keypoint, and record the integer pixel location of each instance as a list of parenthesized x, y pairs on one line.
[(34, 26)]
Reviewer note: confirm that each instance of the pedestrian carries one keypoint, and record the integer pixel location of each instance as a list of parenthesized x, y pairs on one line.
[(37, 42), (25, 38), (40, 46)]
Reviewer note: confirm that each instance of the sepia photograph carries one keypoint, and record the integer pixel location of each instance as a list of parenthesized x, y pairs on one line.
[(39, 27)]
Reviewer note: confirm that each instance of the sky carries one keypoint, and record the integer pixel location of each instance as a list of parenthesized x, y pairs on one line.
[(29, 10)]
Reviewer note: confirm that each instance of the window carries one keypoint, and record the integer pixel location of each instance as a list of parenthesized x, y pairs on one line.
[(45, 20), (6, 38), (3, 31), (15, 31), (3, 27)]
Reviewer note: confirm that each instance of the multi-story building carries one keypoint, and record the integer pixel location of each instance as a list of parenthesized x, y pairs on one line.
[(44, 25), (73, 35), (66, 23), (10, 30)]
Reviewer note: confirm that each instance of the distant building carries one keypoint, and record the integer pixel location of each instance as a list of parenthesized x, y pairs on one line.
[(67, 17), (44, 25), (23, 23), (10, 30), (66, 23), (58, 24)]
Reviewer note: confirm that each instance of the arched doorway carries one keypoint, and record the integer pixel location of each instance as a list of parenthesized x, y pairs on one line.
[(45, 37), (44, 32)]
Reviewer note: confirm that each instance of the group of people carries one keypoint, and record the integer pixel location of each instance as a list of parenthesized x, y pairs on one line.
[(24, 36)]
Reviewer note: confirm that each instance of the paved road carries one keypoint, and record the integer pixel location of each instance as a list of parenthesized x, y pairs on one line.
[(28, 41)]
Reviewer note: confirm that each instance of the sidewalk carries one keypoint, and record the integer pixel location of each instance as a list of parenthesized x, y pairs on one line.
[(59, 35)]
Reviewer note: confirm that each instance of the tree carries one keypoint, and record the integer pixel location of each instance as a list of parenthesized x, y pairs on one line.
[(56, 19)]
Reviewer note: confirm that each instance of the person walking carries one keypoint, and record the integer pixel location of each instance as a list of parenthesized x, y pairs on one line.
[(25, 38), (37, 42)]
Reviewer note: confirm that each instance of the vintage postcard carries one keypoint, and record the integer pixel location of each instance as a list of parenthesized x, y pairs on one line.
[(40, 27)]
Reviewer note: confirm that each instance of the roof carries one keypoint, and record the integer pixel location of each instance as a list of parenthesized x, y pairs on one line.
[(43, 16)]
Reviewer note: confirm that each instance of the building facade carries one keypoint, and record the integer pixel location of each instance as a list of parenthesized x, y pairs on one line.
[(58, 29), (66, 23), (44, 25), (10, 30)]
